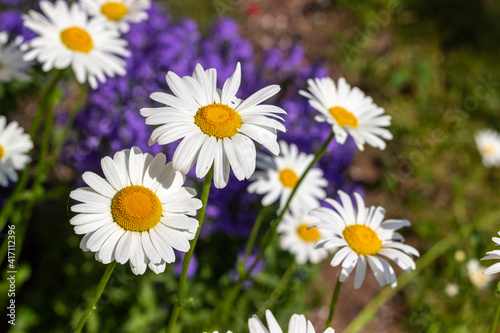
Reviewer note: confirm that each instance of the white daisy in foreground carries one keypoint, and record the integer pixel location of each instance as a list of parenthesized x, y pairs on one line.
[(12, 65), (137, 213), (299, 239), (216, 126), (118, 13), (495, 254), (488, 143), (349, 111), (67, 37), (14, 144), (297, 324), (280, 174), (361, 237), (478, 275)]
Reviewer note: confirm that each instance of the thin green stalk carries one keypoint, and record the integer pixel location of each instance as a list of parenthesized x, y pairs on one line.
[(494, 325), (231, 296), (47, 95), (92, 304), (333, 304), (253, 237), (187, 258)]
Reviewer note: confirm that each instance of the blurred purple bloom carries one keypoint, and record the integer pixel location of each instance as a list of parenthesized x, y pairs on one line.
[(193, 265)]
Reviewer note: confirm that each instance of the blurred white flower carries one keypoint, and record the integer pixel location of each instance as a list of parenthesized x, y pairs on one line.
[(488, 143), (476, 276), (118, 13), (12, 65)]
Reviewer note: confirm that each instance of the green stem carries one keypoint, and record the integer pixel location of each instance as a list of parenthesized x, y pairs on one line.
[(231, 296), (333, 303), (253, 237), (23, 179), (187, 258), (92, 305), (497, 315)]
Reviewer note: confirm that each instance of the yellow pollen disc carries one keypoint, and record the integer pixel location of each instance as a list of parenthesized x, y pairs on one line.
[(136, 208), (311, 235), (218, 120), (288, 178), (343, 117), (362, 239), (1, 151), (77, 39), (489, 150), (114, 10)]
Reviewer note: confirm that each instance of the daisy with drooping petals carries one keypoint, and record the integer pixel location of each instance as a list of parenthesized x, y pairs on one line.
[(14, 144), (138, 213), (67, 37), (495, 254), (297, 324), (299, 239), (349, 111), (215, 126), (12, 65), (361, 238), (488, 143), (118, 13), (280, 174)]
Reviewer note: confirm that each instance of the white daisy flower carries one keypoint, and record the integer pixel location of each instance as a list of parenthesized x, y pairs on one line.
[(297, 324), (361, 237), (216, 126), (67, 37), (14, 144), (118, 13), (299, 239), (495, 254), (137, 213), (280, 174), (451, 290), (479, 275), (12, 65), (349, 111), (488, 143)]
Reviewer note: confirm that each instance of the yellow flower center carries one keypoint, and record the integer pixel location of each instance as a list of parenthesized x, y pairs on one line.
[(343, 117), (288, 178), (489, 150), (1, 151), (308, 235), (136, 208), (114, 10), (362, 239), (218, 120), (77, 39)]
